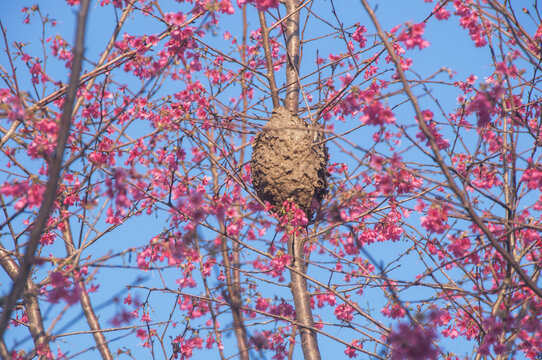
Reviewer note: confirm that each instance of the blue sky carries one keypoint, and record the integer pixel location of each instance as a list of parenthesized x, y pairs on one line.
[(450, 47)]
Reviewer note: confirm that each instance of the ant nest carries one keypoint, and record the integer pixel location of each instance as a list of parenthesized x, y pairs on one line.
[(289, 162)]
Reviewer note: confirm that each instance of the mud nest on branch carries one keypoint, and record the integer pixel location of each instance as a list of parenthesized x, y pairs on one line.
[(289, 162)]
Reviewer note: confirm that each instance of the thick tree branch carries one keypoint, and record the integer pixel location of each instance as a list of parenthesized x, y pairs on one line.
[(232, 282), (298, 284), (84, 300), (291, 100), (30, 297), (54, 171), (302, 300)]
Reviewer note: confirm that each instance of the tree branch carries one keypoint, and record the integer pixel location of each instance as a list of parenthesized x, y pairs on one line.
[(291, 100), (440, 161), (302, 300), (232, 282), (84, 300), (30, 296), (269, 61), (54, 171)]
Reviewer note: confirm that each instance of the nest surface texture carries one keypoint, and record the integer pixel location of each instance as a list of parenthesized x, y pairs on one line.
[(289, 162)]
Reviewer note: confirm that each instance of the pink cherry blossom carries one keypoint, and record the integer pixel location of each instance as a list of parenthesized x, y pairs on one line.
[(412, 342), (412, 36)]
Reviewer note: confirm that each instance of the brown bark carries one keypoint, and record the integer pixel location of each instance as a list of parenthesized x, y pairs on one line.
[(291, 100), (232, 282), (302, 301), (84, 300), (33, 311), (236, 303), (4, 354)]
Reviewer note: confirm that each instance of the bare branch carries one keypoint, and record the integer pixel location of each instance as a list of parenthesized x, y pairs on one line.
[(84, 300), (270, 72)]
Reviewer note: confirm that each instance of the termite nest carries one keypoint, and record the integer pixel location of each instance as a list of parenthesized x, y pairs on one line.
[(289, 162)]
